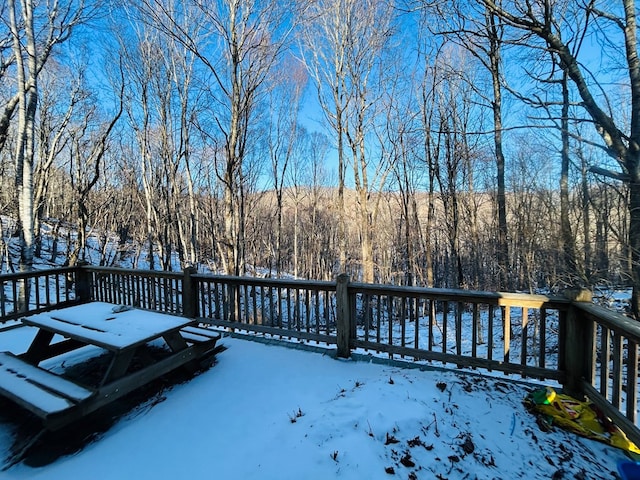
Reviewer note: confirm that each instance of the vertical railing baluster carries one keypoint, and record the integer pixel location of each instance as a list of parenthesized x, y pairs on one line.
[(490, 315), (307, 313), (459, 309), (525, 330), (432, 320), (605, 360), (475, 324), (445, 314), (36, 282), (378, 316), (403, 321), (632, 381), (616, 392), (47, 289), (506, 332), (543, 339), (390, 319), (415, 313)]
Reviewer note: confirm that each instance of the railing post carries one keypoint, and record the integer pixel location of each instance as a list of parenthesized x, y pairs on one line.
[(578, 344), (83, 290), (343, 316), (189, 293)]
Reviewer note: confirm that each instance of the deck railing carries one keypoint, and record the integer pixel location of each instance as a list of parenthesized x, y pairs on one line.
[(588, 349), (36, 291)]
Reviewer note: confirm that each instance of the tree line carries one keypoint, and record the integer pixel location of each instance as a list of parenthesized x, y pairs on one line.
[(455, 143)]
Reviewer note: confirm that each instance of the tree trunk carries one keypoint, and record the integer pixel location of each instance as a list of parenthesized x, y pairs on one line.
[(634, 235), (568, 249), (501, 197)]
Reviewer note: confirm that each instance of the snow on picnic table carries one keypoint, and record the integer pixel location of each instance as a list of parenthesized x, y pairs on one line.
[(270, 412)]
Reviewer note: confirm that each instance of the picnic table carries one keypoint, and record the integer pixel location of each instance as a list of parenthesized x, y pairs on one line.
[(124, 333)]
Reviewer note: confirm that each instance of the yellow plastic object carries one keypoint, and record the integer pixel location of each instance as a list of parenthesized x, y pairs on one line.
[(583, 418)]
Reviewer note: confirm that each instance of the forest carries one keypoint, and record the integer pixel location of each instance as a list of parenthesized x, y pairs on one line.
[(481, 144)]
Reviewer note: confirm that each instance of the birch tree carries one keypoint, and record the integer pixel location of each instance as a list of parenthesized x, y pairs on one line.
[(36, 28)]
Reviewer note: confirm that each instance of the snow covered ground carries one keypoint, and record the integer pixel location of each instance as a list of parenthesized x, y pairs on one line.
[(270, 412)]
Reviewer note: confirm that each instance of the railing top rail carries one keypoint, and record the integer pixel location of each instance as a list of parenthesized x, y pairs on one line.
[(136, 272), (268, 282), (36, 273), (469, 296), (612, 320)]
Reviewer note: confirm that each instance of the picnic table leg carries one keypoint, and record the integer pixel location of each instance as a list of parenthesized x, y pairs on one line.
[(39, 348), (119, 365), (175, 341)]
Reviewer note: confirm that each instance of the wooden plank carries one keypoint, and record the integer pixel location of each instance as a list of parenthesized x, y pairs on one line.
[(445, 312), (524, 336), (458, 326), (632, 381), (174, 340), (197, 338), (543, 338), (40, 344), (415, 314), (36, 389), (490, 333), (403, 320), (616, 393), (379, 317), (605, 359), (468, 296), (475, 325), (432, 321), (112, 331), (119, 365), (614, 321), (39, 376), (203, 332), (506, 332), (51, 350)]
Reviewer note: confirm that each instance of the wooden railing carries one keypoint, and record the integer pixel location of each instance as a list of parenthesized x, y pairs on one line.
[(36, 291), (589, 350), (511, 333), (609, 370)]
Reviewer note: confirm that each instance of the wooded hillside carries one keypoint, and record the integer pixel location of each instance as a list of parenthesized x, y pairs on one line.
[(450, 144)]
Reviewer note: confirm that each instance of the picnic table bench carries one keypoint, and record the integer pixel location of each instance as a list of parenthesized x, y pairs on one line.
[(124, 333)]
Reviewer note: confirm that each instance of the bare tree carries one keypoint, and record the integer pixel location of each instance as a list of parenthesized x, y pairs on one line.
[(58, 102), (347, 42), (282, 137), (238, 42), (481, 32), (621, 141), (89, 141)]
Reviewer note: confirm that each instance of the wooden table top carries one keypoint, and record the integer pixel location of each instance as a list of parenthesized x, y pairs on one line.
[(97, 324)]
